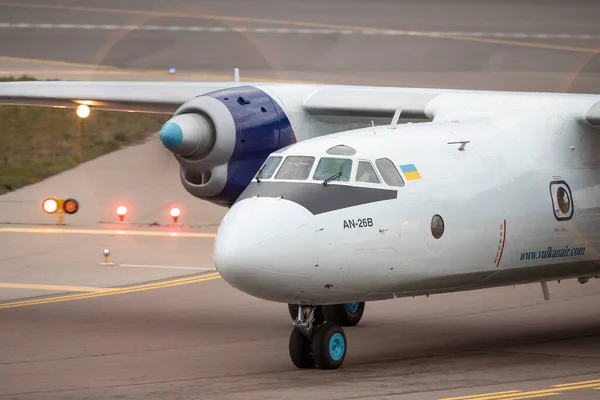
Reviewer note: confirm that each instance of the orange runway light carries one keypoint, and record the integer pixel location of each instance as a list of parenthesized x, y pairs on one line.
[(71, 206), (121, 211), (175, 213), (60, 207)]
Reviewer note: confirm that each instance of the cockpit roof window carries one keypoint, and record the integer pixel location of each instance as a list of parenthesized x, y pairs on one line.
[(296, 168), (341, 150), (366, 173), (389, 173), (329, 167), (269, 167)]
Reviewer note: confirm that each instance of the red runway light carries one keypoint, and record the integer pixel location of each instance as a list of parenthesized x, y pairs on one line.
[(121, 211), (175, 213)]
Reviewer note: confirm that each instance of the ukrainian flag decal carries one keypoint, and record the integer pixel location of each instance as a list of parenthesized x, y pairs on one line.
[(410, 172)]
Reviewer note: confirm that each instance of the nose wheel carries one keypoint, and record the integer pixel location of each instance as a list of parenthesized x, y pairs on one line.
[(311, 345)]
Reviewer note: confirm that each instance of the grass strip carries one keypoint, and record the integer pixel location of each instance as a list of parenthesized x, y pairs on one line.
[(39, 142)]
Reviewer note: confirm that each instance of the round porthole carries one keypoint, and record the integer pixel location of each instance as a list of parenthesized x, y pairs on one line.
[(563, 200), (437, 226)]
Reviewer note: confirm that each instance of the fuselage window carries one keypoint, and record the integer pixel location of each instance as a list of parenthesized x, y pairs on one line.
[(437, 226), (389, 173), (269, 167), (295, 167), (563, 200), (338, 168), (366, 173)]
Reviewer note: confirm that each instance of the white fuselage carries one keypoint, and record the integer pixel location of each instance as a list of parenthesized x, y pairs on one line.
[(498, 199)]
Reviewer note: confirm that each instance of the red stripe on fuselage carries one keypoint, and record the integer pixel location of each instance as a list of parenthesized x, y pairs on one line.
[(503, 241)]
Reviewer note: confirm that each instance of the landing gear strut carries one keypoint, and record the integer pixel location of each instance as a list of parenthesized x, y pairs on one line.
[(348, 314), (312, 344)]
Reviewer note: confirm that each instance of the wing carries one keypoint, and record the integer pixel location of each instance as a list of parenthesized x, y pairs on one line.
[(151, 97), (325, 102), (371, 102), (165, 97)]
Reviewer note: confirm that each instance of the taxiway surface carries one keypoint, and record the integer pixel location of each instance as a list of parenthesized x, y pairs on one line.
[(159, 323), (508, 45)]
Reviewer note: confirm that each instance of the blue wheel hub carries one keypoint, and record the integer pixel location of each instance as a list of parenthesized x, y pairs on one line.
[(352, 307), (337, 346)]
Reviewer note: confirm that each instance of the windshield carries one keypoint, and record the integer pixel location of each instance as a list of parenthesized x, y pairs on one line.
[(366, 173), (389, 173), (329, 167), (295, 167), (269, 167)]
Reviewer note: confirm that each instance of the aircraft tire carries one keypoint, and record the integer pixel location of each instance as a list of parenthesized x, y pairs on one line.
[(348, 314), (329, 346), (300, 350)]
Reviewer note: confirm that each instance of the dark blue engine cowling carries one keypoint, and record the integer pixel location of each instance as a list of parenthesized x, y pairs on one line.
[(261, 128), (221, 139)]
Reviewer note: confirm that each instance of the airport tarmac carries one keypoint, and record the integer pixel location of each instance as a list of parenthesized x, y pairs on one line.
[(158, 322)]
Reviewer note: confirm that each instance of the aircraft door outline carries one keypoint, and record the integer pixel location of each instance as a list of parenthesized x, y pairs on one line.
[(562, 200)]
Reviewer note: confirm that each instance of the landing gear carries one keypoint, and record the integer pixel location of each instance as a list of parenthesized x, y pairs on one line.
[(348, 314), (319, 317), (300, 351), (311, 344), (329, 346)]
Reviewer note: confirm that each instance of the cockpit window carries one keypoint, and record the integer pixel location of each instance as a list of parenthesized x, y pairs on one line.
[(338, 168), (366, 173), (295, 167), (269, 167), (341, 150), (389, 173)]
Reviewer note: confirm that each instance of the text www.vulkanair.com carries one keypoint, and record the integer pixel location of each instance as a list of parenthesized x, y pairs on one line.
[(552, 253)]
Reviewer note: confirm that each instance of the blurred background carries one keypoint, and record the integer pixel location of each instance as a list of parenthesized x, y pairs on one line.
[(531, 45)]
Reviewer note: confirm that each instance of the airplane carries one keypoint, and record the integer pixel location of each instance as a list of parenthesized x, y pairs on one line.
[(340, 195)]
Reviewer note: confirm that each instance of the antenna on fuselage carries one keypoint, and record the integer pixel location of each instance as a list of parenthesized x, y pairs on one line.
[(236, 75), (462, 143), (395, 118)]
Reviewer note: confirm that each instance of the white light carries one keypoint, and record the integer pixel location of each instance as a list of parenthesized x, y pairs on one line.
[(50, 206), (83, 111), (106, 252), (121, 210), (175, 212)]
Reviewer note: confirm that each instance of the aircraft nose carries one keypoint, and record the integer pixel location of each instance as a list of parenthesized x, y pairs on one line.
[(264, 247), (188, 135)]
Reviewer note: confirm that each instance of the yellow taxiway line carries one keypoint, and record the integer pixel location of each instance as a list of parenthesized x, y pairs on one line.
[(479, 395), (117, 232), (4, 285), (521, 395), (113, 291), (162, 14)]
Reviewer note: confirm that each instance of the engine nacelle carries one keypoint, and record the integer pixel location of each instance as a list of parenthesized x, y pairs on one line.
[(222, 138)]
